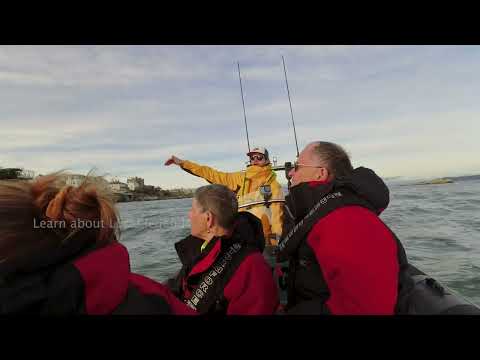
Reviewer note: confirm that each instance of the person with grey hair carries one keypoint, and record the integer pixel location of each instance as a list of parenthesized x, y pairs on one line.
[(223, 269), (342, 258)]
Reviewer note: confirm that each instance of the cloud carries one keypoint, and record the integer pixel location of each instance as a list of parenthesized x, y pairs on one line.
[(403, 110), (94, 66)]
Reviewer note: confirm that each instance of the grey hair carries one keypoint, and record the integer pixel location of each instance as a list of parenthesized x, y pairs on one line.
[(335, 158), (221, 201)]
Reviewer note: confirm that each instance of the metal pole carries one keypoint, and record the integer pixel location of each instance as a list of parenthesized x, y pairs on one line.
[(290, 102), (243, 103)]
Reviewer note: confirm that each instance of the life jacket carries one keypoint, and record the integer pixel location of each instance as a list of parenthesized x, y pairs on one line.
[(249, 193), (205, 274), (306, 205), (246, 185)]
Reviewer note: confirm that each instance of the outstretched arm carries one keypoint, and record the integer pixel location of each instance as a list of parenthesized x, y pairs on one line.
[(231, 180)]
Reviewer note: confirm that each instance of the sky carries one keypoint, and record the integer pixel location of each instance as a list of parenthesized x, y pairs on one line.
[(409, 111)]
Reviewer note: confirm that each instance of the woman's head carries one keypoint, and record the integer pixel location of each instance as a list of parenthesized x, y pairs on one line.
[(45, 209), (214, 208)]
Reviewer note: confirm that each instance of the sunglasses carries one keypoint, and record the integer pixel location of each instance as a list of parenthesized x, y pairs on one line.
[(296, 166), (257, 157)]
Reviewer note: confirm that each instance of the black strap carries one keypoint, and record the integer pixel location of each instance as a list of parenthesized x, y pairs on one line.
[(289, 246), (330, 202), (208, 295)]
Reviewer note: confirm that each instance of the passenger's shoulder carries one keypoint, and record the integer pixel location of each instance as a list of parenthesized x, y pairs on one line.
[(345, 223), (147, 285), (255, 261)]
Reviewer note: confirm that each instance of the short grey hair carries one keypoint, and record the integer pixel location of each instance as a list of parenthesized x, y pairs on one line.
[(221, 201), (335, 158)]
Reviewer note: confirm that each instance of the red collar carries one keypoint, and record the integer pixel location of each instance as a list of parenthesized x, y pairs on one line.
[(317, 182), (208, 260)]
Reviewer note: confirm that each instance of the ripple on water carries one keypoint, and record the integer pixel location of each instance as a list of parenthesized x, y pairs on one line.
[(439, 227)]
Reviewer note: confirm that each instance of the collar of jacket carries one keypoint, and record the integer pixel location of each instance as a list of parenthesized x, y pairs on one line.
[(255, 172), (260, 171), (302, 197), (363, 182), (247, 230), (195, 260)]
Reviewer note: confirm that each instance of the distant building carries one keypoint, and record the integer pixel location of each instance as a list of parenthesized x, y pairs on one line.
[(135, 183), (118, 186), (27, 174)]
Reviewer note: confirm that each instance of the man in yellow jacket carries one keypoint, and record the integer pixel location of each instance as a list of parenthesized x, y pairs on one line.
[(246, 184)]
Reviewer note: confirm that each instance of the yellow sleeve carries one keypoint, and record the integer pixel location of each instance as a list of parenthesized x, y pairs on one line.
[(277, 209), (231, 180)]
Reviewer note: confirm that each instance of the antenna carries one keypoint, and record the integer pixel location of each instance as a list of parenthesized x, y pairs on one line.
[(243, 103), (290, 102)]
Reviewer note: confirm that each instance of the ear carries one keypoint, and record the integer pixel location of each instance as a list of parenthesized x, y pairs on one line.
[(210, 219), (323, 174)]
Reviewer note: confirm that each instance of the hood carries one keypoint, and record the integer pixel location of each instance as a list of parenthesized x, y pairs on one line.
[(369, 186), (248, 230), (363, 182), (188, 249)]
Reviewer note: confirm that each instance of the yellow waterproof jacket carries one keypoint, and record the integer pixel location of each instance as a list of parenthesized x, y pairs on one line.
[(247, 184)]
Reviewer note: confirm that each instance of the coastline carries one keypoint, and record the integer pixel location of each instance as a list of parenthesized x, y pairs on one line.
[(138, 197)]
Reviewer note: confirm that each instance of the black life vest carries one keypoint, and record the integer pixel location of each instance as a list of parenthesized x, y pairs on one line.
[(206, 289), (307, 289)]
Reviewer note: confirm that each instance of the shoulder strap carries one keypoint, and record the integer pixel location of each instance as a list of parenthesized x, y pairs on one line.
[(209, 291), (330, 202)]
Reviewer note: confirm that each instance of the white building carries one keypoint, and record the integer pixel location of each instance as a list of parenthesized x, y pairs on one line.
[(118, 186), (27, 174), (135, 183)]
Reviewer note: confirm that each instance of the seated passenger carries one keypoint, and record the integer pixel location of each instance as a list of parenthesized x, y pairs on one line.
[(343, 258), (59, 254), (223, 270)]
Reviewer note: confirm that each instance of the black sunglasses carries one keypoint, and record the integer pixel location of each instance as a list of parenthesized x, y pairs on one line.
[(257, 157)]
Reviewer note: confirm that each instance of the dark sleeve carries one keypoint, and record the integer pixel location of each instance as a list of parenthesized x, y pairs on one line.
[(175, 284), (310, 307), (148, 286), (66, 293)]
